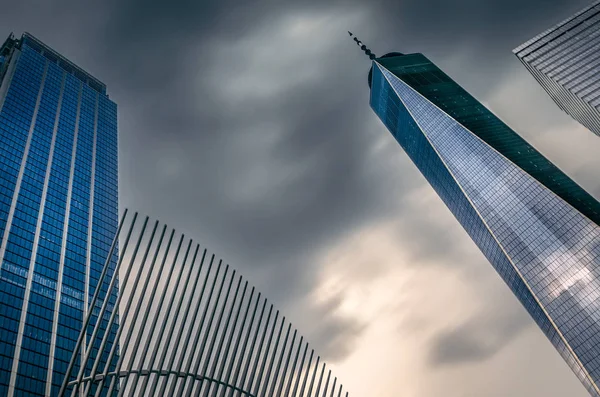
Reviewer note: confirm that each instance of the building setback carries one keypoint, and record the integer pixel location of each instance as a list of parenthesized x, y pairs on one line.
[(537, 227), (58, 210), (565, 60)]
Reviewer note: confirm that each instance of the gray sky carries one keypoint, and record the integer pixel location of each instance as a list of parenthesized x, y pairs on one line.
[(246, 125)]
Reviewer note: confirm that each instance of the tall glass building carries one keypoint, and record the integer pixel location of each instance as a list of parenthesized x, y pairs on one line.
[(537, 227), (565, 60), (58, 210)]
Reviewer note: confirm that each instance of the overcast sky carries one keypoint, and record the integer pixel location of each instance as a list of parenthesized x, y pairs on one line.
[(246, 125)]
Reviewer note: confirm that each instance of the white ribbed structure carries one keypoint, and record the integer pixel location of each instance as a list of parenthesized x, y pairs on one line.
[(190, 326)]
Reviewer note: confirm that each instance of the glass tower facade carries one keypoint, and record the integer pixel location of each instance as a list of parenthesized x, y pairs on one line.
[(537, 227), (58, 210), (565, 60)]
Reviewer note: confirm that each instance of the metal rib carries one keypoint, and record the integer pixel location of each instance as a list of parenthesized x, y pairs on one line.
[(326, 384), (125, 313), (238, 339), (287, 388), (312, 351), (180, 334), (166, 317), (300, 370), (320, 380), (209, 326), (138, 305), (104, 304), (215, 333), (260, 348), (115, 309), (223, 351), (287, 362), (266, 354), (173, 324), (282, 353), (201, 326), (251, 351), (313, 377), (230, 339), (156, 315), (224, 334), (138, 338), (333, 387)]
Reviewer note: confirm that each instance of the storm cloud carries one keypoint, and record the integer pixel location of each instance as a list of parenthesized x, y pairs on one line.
[(246, 125)]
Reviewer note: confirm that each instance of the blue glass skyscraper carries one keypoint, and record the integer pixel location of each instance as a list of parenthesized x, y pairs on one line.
[(536, 226), (565, 60), (58, 210)]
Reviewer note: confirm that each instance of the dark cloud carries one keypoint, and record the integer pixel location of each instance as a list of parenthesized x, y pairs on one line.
[(260, 146), (478, 338), (333, 335)]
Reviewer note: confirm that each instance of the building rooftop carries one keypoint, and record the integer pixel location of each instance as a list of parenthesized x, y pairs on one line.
[(53, 56)]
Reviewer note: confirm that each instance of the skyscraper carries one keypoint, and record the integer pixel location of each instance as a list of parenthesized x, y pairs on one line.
[(565, 60), (58, 210), (537, 227)]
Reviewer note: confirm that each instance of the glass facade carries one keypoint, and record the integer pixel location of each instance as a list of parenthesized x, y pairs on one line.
[(537, 227), (58, 210), (565, 60)]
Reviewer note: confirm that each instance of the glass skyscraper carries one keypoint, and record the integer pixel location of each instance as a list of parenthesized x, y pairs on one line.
[(565, 60), (537, 227), (58, 210)]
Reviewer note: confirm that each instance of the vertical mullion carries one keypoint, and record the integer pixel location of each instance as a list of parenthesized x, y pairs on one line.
[(91, 213), (63, 249)]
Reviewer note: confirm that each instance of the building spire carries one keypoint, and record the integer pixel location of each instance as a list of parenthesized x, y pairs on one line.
[(362, 46)]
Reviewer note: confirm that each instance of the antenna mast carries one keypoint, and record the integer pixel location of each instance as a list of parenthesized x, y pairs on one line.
[(363, 47)]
